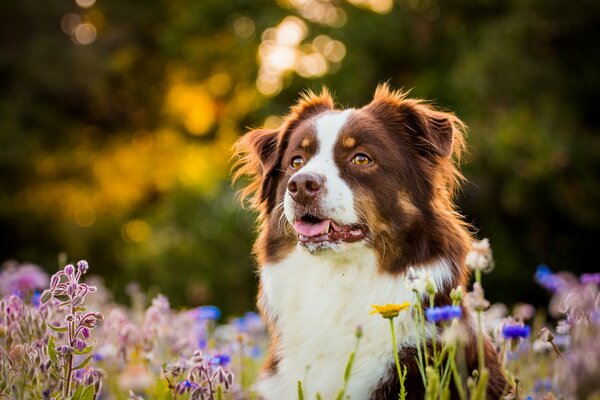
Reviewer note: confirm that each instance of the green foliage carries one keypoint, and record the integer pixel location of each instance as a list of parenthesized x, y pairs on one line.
[(117, 150)]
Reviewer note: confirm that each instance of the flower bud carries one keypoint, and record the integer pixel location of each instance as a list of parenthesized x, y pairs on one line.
[(69, 270), (65, 351), (456, 295), (430, 287), (55, 280), (86, 332), (17, 352), (545, 335), (46, 295), (72, 288), (79, 344), (359, 332)]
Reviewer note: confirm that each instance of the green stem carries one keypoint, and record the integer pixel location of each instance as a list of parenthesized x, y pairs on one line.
[(457, 381), (69, 366), (480, 352), (419, 353), (434, 339), (395, 347)]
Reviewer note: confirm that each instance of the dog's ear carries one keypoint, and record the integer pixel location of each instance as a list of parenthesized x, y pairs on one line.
[(257, 157), (432, 132)]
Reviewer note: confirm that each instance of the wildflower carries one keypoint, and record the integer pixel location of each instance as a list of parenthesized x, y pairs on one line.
[(21, 279), (211, 313), (445, 313), (414, 282), (389, 310), (476, 299), (221, 359), (82, 266), (455, 334), (590, 278), (480, 256), (548, 280), (516, 331)]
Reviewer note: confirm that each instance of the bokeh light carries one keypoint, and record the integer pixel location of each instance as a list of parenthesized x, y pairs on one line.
[(283, 51), (84, 34), (85, 3)]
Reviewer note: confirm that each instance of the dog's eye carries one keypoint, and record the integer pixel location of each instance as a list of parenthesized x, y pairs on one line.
[(361, 159), (297, 162)]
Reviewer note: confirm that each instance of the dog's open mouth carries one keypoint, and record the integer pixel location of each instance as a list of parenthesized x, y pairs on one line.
[(312, 229)]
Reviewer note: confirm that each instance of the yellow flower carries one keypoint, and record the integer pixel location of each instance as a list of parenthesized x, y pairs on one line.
[(389, 310)]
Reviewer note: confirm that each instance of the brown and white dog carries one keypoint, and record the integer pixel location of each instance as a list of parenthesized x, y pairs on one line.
[(349, 200)]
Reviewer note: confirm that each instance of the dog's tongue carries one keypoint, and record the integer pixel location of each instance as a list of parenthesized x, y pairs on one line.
[(310, 229)]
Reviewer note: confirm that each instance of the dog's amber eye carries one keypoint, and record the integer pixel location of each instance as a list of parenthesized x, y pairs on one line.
[(297, 162), (361, 159)]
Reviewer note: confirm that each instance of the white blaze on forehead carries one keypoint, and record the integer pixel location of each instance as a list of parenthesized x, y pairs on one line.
[(337, 200)]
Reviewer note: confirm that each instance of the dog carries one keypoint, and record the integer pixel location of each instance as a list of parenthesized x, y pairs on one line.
[(348, 201)]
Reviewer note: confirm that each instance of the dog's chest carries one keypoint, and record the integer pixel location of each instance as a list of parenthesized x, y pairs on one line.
[(318, 301)]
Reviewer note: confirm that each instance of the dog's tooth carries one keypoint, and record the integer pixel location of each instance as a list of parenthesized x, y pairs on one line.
[(326, 228)]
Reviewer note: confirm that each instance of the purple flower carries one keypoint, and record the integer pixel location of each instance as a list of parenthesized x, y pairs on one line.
[(548, 280), (221, 359), (208, 313), (22, 279), (82, 266), (516, 331), (590, 278), (445, 313)]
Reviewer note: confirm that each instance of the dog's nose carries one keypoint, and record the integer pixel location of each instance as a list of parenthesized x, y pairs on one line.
[(305, 187)]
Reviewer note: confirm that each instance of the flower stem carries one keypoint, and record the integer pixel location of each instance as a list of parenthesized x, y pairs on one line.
[(480, 352), (398, 368)]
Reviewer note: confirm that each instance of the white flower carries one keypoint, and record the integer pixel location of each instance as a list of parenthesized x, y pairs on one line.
[(413, 281), (480, 256), (455, 334)]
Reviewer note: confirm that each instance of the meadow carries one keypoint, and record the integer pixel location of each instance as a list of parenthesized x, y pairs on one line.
[(63, 337)]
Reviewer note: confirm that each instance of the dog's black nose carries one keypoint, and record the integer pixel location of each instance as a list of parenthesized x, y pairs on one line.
[(305, 187)]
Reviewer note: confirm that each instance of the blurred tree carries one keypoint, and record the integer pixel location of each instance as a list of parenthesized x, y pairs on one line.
[(117, 117)]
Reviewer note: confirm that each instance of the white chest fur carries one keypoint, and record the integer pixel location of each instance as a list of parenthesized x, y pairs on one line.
[(317, 301)]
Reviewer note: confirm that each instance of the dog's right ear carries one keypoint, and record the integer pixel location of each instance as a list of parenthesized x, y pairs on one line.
[(257, 158)]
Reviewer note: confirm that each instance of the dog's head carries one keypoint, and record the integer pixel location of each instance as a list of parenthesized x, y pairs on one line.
[(382, 176)]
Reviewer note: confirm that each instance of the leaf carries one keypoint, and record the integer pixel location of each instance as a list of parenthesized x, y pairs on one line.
[(83, 363), (77, 394), (56, 328), (84, 351), (80, 309), (52, 350), (88, 393)]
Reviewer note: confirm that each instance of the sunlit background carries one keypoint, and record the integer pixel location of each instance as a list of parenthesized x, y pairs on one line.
[(117, 118)]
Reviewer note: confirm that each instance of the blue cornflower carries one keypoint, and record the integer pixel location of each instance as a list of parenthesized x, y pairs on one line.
[(445, 313), (547, 279), (221, 359), (516, 331), (35, 299), (208, 313)]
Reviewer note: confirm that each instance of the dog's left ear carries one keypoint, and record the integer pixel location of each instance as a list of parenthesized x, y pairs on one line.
[(432, 132)]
